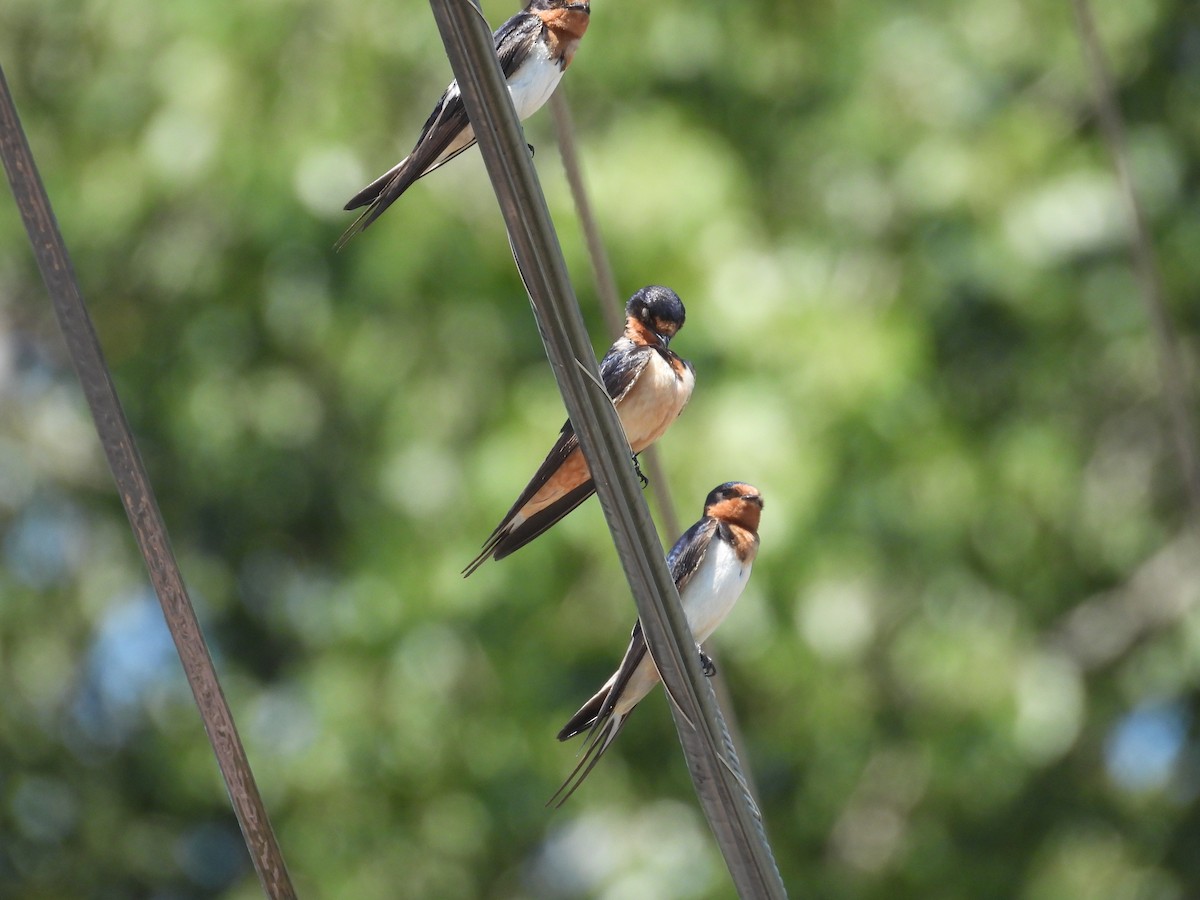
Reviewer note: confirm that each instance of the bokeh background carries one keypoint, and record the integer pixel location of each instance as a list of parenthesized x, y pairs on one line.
[(966, 664)]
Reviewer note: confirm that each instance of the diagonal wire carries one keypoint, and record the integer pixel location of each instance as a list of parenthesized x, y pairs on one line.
[(1149, 275), (610, 307), (726, 803), (138, 498), (606, 282)]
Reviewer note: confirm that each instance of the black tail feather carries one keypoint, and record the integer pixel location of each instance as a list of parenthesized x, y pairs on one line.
[(377, 197), (355, 229), (374, 189), (516, 538), (586, 717), (509, 538), (599, 740), (489, 547)]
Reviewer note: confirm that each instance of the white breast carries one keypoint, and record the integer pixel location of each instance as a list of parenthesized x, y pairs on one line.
[(530, 88), (707, 600), (712, 591), (533, 83)]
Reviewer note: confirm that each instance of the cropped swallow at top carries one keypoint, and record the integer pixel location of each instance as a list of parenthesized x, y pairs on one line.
[(534, 47), (711, 565), (649, 385)]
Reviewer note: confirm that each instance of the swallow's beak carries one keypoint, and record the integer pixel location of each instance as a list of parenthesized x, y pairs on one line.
[(756, 499)]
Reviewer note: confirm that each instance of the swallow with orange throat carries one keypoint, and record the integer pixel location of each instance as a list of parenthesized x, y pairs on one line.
[(710, 564), (534, 47), (649, 385)]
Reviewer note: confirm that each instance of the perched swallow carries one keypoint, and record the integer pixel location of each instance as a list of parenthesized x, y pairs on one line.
[(649, 385), (711, 565), (534, 47)]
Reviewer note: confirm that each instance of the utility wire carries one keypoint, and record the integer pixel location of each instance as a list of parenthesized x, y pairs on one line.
[(730, 811), (1149, 274), (137, 495)]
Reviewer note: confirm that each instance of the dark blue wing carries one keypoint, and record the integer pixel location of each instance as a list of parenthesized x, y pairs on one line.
[(621, 366), (687, 554)]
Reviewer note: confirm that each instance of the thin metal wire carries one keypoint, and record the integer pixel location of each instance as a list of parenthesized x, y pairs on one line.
[(730, 810), (1149, 275), (138, 498)]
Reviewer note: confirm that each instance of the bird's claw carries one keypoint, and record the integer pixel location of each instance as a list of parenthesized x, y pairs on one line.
[(707, 666), (638, 469), (531, 150)]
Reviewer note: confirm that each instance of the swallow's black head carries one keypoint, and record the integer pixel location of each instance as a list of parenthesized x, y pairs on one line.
[(659, 309), (733, 490)]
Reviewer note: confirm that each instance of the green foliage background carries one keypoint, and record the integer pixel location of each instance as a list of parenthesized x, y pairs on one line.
[(966, 664)]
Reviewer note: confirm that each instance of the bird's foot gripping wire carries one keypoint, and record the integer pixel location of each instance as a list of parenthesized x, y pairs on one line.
[(531, 150), (707, 666), (638, 469)]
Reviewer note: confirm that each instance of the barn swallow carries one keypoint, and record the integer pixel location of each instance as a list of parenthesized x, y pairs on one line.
[(710, 564), (534, 47), (649, 385)]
